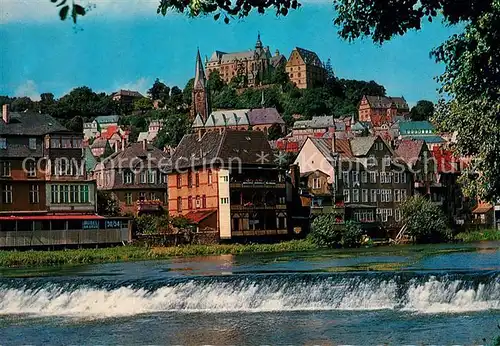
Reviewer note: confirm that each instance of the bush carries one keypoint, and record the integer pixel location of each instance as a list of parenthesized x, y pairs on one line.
[(326, 232), (424, 220), (152, 224)]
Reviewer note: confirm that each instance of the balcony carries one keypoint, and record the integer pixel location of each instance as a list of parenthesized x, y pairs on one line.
[(251, 206), (257, 184)]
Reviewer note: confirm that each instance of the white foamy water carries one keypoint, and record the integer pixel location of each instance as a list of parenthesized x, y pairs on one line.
[(431, 296)]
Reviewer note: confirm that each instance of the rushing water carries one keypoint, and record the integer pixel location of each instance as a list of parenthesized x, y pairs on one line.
[(444, 298)]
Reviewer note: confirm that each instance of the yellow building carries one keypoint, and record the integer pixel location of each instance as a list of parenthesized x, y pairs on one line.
[(305, 69)]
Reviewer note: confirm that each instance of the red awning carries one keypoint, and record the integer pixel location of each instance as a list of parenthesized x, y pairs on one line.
[(197, 216), (50, 217)]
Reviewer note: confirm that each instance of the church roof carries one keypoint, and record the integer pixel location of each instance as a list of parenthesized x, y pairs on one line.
[(230, 117), (198, 121), (309, 57), (199, 78)]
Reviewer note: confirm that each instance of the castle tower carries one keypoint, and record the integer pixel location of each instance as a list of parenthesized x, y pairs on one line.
[(199, 103)]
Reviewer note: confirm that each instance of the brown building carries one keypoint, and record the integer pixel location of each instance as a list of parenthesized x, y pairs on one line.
[(305, 69), (136, 176), (228, 181), (42, 167), (127, 96), (253, 65), (380, 110)]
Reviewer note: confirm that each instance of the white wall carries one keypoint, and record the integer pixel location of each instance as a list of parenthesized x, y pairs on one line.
[(310, 159), (224, 208)]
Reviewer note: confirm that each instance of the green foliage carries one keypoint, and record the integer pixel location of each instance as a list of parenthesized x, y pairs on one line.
[(159, 91), (482, 235), (75, 124), (143, 105), (106, 204), (325, 232), (423, 110), (175, 126), (82, 101), (21, 104), (215, 82), (274, 132), (424, 220), (152, 224), (187, 92)]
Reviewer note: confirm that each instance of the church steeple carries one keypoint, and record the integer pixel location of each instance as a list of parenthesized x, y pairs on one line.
[(200, 98), (258, 44), (199, 77)]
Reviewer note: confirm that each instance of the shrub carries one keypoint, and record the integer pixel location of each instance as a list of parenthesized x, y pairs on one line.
[(424, 220), (151, 224), (325, 231)]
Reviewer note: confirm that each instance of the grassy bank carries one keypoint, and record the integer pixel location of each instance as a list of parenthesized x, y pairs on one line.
[(482, 235), (135, 253)]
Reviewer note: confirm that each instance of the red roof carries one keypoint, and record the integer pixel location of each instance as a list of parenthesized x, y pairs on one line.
[(409, 150), (197, 216), (50, 217)]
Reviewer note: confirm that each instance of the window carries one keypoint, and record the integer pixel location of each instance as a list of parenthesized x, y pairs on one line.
[(179, 204), (152, 177), (209, 177), (32, 143), (190, 202), (3, 143), (190, 179), (128, 178), (6, 169), (403, 195), (345, 177), (142, 196), (73, 194), (397, 215), (55, 142), (396, 177), (7, 194), (373, 177), (197, 178), (224, 178), (364, 195), (316, 184), (224, 200), (387, 160), (77, 143), (179, 181), (128, 198), (346, 196), (143, 177), (84, 193), (152, 196), (66, 142), (198, 202), (355, 177), (355, 196), (54, 194), (364, 177), (373, 194), (403, 177), (397, 195), (204, 201), (34, 194)]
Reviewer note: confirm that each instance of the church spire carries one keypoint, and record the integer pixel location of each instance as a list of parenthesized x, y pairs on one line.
[(258, 44), (199, 77)]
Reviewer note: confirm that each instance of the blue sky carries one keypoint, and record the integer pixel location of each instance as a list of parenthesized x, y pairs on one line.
[(121, 44)]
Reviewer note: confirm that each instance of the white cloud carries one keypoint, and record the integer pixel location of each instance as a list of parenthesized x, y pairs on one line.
[(44, 10), (141, 85), (28, 88)]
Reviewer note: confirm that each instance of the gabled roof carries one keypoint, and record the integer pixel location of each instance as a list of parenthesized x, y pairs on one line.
[(30, 124), (131, 93), (409, 150), (107, 119), (261, 116), (309, 57), (324, 145), (247, 147), (229, 117), (198, 122), (278, 60), (134, 153), (216, 55), (360, 146), (387, 102), (316, 172), (90, 160), (482, 208)]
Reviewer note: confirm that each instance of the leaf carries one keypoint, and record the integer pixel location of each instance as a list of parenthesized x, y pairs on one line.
[(226, 20), (62, 3), (63, 13), (216, 17), (53, 0), (79, 10)]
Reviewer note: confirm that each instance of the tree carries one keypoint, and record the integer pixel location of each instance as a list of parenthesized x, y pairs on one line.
[(106, 204), (424, 221), (187, 92), (75, 124), (327, 232), (84, 102), (174, 128), (159, 91), (215, 82), (423, 110), (47, 103), (21, 104), (175, 97), (274, 132), (143, 105), (227, 98)]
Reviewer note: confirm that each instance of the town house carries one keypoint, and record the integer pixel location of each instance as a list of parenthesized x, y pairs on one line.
[(305, 69), (380, 110), (228, 181)]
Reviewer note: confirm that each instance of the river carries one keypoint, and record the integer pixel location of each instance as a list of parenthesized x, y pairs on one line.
[(436, 294)]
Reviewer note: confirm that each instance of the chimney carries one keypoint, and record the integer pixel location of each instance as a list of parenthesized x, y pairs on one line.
[(334, 143), (123, 144), (5, 113), (145, 144)]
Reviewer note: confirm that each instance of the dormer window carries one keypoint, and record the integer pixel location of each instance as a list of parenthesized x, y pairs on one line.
[(32, 143)]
